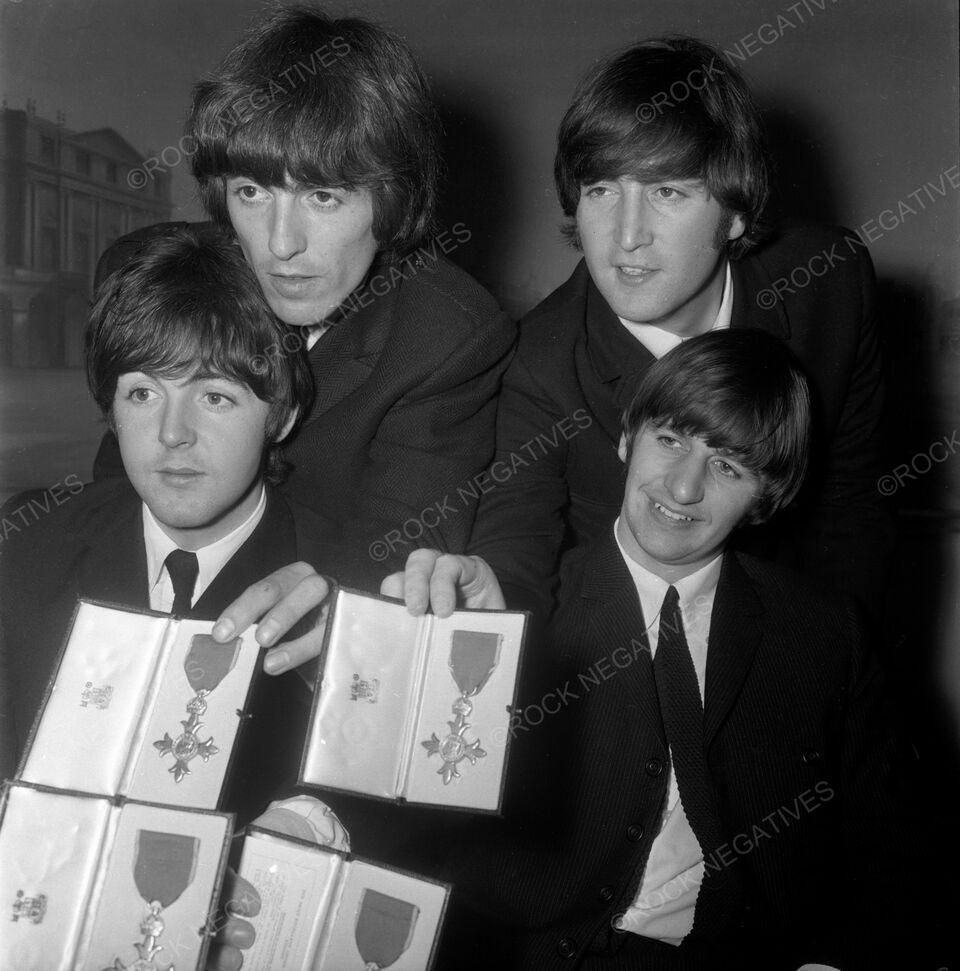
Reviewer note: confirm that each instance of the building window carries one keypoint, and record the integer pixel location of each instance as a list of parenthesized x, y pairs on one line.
[(83, 162), (111, 171), (49, 246), (47, 150)]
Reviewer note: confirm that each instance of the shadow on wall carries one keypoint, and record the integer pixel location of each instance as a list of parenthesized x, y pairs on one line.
[(479, 190)]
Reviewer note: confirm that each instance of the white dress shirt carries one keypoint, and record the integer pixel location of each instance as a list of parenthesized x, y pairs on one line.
[(211, 559)]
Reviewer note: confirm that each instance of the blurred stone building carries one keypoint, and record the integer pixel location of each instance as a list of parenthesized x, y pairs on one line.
[(64, 197)]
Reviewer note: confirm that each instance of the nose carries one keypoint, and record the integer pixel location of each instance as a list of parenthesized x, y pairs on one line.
[(685, 480), (287, 236), (633, 219), (177, 427)]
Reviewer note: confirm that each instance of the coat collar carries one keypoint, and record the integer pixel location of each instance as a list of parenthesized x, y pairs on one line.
[(752, 285)]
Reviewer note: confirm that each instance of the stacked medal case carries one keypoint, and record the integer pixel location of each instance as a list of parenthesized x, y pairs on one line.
[(111, 853)]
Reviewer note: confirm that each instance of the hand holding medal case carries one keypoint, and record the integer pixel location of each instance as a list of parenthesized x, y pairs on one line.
[(323, 911), (99, 887), (414, 708), (142, 705)]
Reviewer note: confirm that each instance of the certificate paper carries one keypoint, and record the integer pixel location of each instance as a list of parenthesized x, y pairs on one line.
[(323, 911)]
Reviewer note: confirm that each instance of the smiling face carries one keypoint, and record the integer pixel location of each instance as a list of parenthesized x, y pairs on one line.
[(192, 448), (682, 501), (309, 247), (652, 250)]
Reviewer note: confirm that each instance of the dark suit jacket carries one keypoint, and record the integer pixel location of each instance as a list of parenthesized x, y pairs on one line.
[(404, 412), (804, 765), (577, 368), (92, 546)]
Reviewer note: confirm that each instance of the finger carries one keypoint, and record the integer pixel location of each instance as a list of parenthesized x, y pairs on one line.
[(224, 958), (450, 573), (416, 580), (392, 586), (256, 600), (237, 933), (291, 654), (304, 598), (239, 895)]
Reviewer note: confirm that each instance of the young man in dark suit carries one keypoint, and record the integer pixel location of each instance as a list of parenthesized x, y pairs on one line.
[(702, 774), (181, 359), (661, 171), (315, 143)]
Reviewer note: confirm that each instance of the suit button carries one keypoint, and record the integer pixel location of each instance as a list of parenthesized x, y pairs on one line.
[(606, 894), (654, 767), (810, 755), (566, 948), (634, 832)]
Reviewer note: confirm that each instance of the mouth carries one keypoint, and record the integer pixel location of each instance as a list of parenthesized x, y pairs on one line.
[(180, 474), (291, 284), (635, 274), (674, 517)]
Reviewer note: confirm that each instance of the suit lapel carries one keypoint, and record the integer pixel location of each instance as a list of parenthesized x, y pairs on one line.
[(618, 625), (344, 356), (613, 364), (735, 630), (271, 545)]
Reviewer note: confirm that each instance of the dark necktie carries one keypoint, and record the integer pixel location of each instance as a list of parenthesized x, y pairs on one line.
[(682, 713), (183, 569)]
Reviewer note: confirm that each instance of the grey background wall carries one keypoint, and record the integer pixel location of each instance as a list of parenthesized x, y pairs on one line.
[(860, 99)]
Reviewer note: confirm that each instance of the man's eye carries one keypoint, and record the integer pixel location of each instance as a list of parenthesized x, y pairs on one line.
[(325, 199), (247, 191), (139, 394), (595, 191), (218, 398), (668, 440), (726, 469), (668, 192)]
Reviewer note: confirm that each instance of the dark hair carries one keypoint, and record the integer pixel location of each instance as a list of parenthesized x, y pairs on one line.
[(188, 302), (739, 390), (333, 103), (667, 108)]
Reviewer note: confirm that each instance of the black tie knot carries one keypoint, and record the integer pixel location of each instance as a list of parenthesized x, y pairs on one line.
[(183, 567)]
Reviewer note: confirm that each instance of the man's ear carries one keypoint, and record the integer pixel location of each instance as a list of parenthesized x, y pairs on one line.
[(737, 227), (287, 426), (622, 448)]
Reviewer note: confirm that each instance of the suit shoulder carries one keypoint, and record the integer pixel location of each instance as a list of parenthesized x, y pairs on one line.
[(441, 291), (798, 600), (800, 244), (42, 521)]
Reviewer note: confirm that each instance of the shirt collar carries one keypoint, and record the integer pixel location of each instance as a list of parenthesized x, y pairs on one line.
[(659, 341), (694, 590), (211, 559)]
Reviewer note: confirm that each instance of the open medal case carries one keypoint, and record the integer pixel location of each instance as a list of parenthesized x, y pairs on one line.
[(414, 708), (142, 705), (322, 910), (90, 884)]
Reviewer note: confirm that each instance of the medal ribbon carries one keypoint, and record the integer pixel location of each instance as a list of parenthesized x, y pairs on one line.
[(164, 865), (473, 656), (384, 928), (207, 663)]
